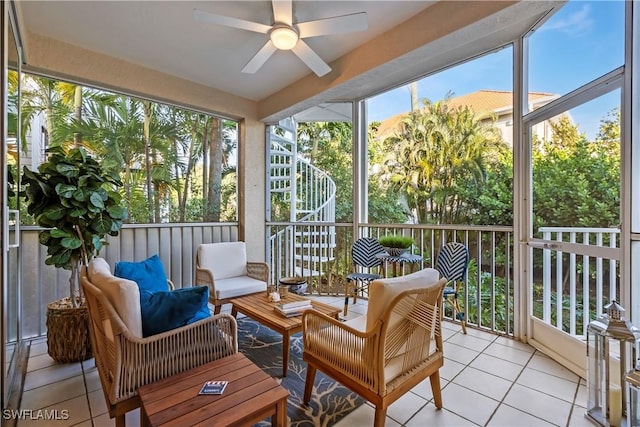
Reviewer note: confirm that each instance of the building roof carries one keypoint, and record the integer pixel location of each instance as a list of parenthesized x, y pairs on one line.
[(481, 100)]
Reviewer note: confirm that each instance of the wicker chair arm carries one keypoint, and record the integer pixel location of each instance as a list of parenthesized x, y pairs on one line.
[(205, 277), (258, 271), (141, 361), (347, 350)]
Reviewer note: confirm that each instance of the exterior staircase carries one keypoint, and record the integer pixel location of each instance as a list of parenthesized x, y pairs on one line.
[(305, 245)]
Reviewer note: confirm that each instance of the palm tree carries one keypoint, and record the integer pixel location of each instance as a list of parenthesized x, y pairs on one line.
[(437, 150), (41, 95), (113, 130)]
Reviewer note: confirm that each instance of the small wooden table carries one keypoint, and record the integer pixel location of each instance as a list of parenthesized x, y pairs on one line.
[(250, 396), (260, 309)]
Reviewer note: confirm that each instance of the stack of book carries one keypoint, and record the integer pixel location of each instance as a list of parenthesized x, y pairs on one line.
[(294, 308)]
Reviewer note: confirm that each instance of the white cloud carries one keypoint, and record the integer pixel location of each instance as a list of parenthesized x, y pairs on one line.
[(575, 24)]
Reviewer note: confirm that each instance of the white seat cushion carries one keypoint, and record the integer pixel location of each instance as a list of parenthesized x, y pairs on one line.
[(223, 260), (238, 286), (382, 291), (123, 294)]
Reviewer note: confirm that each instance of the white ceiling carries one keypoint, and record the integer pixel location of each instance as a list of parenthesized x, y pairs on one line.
[(165, 37)]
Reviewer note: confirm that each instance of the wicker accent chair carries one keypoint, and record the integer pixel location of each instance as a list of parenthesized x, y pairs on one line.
[(224, 268), (386, 353), (125, 360)]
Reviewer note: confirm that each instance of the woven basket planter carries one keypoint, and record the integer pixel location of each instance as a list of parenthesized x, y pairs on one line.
[(68, 332)]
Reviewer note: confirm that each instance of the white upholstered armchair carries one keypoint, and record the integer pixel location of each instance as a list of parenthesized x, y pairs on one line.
[(225, 269), (384, 354)]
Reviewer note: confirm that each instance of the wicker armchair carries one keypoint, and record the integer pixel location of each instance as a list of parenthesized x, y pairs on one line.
[(126, 361), (225, 269), (399, 346)]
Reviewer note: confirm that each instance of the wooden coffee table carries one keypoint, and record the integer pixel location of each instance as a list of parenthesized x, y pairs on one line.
[(260, 309), (250, 396)]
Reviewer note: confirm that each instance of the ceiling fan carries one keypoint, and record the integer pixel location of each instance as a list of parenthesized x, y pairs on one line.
[(285, 35)]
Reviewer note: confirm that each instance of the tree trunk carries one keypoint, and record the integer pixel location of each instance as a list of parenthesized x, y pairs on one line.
[(187, 179), (205, 166), (176, 169), (147, 156), (77, 113), (215, 173), (413, 87)]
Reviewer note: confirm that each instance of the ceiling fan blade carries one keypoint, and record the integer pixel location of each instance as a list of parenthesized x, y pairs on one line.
[(309, 57), (259, 58), (227, 21), (337, 24), (283, 12)]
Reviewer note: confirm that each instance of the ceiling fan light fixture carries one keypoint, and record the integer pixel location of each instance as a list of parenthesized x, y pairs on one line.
[(284, 38)]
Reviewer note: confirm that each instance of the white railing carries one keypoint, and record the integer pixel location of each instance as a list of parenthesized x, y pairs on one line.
[(488, 289), (487, 295), (571, 289)]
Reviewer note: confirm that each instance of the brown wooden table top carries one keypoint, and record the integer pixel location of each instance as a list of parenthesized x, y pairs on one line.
[(250, 393), (258, 307)]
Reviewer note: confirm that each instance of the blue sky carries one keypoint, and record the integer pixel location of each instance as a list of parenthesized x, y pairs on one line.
[(581, 42)]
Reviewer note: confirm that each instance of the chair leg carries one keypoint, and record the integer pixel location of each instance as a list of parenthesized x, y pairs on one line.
[(346, 298), (216, 309), (121, 420), (458, 314), (435, 389), (308, 384), (380, 417)]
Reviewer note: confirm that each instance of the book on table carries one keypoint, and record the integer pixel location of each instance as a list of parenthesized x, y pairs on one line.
[(295, 308), (294, 304)]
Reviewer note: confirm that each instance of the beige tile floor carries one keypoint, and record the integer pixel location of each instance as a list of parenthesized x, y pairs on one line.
[(487, 380)]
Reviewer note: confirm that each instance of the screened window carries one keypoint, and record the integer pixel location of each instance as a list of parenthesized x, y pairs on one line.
[(176, 165)]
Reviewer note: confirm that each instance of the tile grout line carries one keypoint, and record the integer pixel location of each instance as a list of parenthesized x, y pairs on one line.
[(86, 393), (501, 402)]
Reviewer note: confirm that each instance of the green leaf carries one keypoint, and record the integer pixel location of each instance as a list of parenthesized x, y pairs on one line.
[(68, 170), (65, 190), (77, 212), (117, 212), (102, 224), (80, 195), (60, 260), (71, 242), (96, 200), (97, 243), (58, 233), (44, 237), (54, 212), (115, 227)]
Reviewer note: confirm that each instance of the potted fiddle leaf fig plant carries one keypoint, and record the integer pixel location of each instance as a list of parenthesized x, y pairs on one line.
[(77, 203)]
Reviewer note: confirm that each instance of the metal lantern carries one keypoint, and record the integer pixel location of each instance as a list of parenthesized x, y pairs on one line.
[(606, 370), (633, 403)]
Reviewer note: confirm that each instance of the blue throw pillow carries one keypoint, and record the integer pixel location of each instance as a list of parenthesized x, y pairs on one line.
[(148, 274), (165, 310)]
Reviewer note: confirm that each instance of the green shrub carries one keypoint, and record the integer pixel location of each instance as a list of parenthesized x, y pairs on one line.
[(403, 242)]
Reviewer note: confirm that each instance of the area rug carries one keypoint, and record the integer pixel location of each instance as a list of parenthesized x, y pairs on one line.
[(330, 401)]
